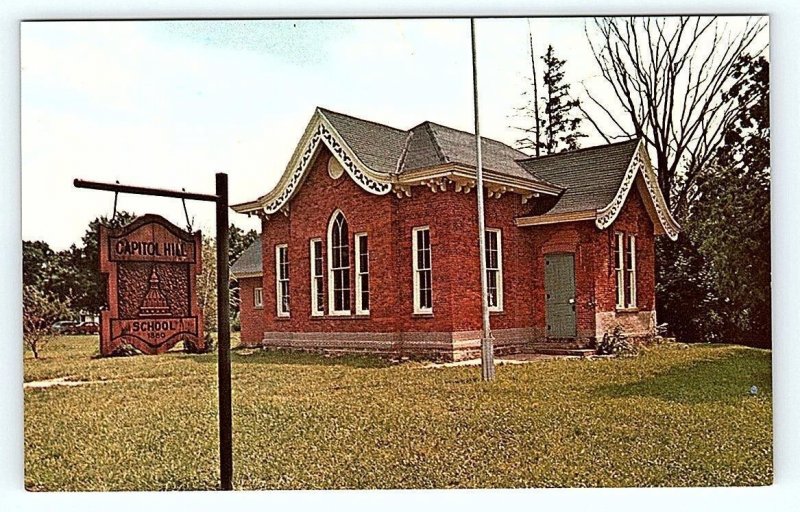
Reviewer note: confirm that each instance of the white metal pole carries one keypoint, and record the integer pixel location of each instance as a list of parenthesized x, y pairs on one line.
[(487, 348)]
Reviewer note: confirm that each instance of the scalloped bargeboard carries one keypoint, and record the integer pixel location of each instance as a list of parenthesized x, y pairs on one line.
[(152, 268)]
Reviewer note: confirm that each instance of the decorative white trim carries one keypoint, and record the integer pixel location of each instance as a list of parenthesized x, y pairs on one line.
[(357, 262), (640, 165)]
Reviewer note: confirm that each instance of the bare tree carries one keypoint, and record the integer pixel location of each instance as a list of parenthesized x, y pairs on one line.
[(670, 77)]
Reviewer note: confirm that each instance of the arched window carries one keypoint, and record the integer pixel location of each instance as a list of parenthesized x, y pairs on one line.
[(338, 265)]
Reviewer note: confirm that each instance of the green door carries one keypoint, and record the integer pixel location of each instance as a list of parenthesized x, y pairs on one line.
[(559, 288)]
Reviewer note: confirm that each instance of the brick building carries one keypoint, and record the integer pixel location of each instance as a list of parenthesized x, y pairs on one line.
[(369, 243)]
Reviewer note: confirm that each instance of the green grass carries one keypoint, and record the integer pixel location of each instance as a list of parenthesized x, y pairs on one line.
[(671, 417)]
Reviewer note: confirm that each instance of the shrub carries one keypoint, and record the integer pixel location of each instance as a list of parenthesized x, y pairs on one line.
[(616, 343)]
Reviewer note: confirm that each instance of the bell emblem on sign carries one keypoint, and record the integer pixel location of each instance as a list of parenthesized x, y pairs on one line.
[(155, 303)]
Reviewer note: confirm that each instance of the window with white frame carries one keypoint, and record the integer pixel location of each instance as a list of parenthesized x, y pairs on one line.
[(338, 266), (282, 279), (630, 260), (494, 269), (317, 279), (423, 284), (619, 268), (362, 274), (258, 297)]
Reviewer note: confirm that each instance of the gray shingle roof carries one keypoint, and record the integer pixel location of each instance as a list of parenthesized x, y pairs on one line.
[(377, 145), (592, 176), (249, 262), (391, 150)]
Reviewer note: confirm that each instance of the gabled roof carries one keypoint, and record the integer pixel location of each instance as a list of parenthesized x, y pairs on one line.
[(249, 263), (597, 181), (591, 176), (590, 183)]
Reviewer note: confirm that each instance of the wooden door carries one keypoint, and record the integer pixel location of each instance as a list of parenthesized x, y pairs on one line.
[(559, 287)]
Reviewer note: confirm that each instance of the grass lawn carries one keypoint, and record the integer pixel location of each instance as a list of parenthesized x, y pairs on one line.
[(671, 417)]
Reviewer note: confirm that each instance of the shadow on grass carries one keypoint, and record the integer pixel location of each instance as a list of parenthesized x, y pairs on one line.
[(284, 357), (724, 379)]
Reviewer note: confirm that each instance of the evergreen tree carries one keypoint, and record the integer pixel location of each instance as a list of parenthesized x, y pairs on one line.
[(555, 127), (561, 126)]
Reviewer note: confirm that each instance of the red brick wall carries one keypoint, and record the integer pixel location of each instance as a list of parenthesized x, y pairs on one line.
[(251, 318), (452, 219), (633, 219)]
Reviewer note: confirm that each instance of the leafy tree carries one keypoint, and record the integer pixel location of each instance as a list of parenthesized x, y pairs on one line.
[(39, 310), (239, 240), (207, 284), (37, 261), (555, 128), (736, 194), (87, 259)]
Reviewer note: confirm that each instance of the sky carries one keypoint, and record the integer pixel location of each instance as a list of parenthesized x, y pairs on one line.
[(170, 103)]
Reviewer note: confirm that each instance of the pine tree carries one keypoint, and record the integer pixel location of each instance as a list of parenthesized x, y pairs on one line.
[(561, 127), (554, 127)]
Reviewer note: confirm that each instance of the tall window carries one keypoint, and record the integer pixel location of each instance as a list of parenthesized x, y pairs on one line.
[(282, 279), (423, 286), (362, 274), (317, 279), (494, 269), (625, 270), (338, 266), (630, 260), (619, 270), (258, 297)]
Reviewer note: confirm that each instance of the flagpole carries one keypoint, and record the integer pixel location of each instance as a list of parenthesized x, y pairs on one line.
[(487, 348)]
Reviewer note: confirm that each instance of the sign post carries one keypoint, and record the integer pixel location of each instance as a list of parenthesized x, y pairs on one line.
[(220, 198)]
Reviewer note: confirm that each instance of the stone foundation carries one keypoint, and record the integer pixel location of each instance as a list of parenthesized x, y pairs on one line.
[(436, 346)]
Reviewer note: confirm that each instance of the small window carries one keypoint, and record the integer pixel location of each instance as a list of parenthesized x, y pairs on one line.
[(282, 279), (338, 266), (494, 269), (317, 279), (630, 260), (258, 297), (423, 283), (362, 274), (619, 268)]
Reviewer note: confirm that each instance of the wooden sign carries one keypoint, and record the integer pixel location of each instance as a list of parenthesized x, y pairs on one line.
[(152, 268)]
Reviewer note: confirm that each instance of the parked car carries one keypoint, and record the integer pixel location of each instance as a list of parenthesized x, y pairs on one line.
[(63, 326), (86, 328)]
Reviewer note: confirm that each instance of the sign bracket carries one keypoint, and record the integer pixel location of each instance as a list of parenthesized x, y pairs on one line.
[(220, 198)]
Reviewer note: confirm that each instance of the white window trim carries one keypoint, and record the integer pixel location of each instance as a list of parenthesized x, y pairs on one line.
[(415, 268), (631, 271), (619, 268), (314, 290), (357, 258), (499, 307), (278, 297), (258, 297), (329, 251)]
